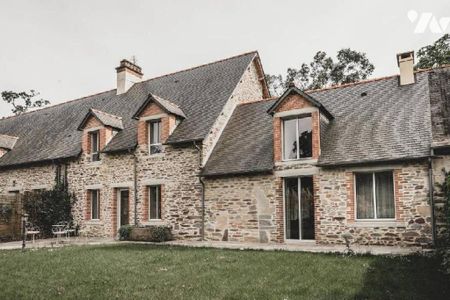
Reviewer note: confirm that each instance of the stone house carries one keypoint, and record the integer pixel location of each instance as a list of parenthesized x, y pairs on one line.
[(208, 152)]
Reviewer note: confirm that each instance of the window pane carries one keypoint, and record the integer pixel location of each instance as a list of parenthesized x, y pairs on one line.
[(154, 132), (364, 196), (291, 208), (95, 204), (155, 202), (384, 191), (290, 139), (94, 142), (305, 136), (307, 208)]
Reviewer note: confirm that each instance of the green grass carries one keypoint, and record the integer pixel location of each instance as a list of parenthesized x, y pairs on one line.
[(160, 272)]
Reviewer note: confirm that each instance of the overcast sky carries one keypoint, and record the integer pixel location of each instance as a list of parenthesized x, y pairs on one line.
[(69, 49)]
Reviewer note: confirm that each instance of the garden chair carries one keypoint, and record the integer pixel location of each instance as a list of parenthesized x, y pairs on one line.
[(32, 230), (59, 230), (71, 229)]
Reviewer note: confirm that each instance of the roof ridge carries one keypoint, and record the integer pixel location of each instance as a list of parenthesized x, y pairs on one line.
[(160, 76), (55, 105), (10, 136), (259, 100), (202, 65), (111, 115), (373, 79)]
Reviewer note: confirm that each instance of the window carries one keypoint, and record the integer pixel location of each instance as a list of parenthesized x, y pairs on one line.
[(154, 138), (155, 202), (374, 195), (95, 204), (95, 145), (61, 174), (297, 138)]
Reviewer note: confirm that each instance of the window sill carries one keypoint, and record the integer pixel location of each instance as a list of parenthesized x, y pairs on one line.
[(157, 155), (154, 222), (94, 222), (296, 161), (375, 223)]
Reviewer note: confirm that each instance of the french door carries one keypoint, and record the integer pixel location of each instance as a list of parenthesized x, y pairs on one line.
[(123, 205), (299, 208)]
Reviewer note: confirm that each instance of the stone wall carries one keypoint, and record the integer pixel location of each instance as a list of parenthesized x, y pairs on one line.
[(176, 170), (241, 209), (439, 85), (248, 89), (27, 178), (441, 164), (412, 225)]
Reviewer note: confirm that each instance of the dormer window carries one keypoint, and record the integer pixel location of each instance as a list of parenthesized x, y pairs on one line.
[(154, 131), (297, 137), (95, 145)]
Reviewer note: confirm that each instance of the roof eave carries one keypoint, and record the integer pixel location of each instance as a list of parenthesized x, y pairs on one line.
[(234, 173), (311, 99), (370, 162)]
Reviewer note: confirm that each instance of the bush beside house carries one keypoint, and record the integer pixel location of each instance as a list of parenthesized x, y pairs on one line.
[(145, 234)]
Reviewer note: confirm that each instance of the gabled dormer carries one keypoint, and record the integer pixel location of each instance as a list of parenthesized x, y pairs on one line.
[(7, 143), (157, 118), (296, 123), (98, 130)]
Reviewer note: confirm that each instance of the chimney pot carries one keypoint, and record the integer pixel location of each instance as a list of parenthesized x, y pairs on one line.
[(405, 62), (128, 74)]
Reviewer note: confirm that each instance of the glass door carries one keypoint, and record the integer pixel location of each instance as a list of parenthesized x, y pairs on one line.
[(299, 208)]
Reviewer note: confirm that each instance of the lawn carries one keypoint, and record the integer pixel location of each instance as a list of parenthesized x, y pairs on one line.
[(161, 272)]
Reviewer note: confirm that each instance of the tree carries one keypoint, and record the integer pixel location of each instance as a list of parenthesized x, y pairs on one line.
[(435, 55), (323, 71), (26, 101)]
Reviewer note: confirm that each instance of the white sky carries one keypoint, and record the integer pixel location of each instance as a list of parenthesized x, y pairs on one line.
[(69, 49)]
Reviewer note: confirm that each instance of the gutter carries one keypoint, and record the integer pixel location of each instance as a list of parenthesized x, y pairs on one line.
[(201, 178)]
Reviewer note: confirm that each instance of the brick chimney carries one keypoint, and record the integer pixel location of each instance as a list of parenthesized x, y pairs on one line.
[(127, 74), (405, 63)]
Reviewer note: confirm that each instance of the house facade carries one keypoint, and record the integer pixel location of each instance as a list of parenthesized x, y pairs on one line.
[(208, 152)]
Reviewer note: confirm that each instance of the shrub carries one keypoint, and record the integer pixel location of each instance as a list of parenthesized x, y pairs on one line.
[(125, 232), (47, 208), (153, 233), (6, 211), (160, 234)]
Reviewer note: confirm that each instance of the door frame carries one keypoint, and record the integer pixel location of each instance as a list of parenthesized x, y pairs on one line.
[(119, 205), (299, 212)]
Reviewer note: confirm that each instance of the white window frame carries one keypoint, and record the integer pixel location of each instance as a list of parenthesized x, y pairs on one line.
[(92, 203), (91, 137), (296, 117), (374, 196), (149, 137), (158, 208)]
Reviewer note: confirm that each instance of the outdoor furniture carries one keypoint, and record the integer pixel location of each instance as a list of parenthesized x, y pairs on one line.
[(71, 229), (32, 230), (59, 230)]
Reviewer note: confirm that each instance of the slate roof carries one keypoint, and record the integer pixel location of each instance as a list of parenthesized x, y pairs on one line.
[(295, 90), (105, 118), (167, 105), (246, 144), (201, 92), (389, 123), (7, 142)]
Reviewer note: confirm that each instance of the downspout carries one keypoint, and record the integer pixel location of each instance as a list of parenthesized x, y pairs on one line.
[(135, 186), (431, 189), (203, 190)]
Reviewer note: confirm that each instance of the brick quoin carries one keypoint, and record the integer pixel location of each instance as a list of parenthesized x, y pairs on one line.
[(290, 103), (167, 123)]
